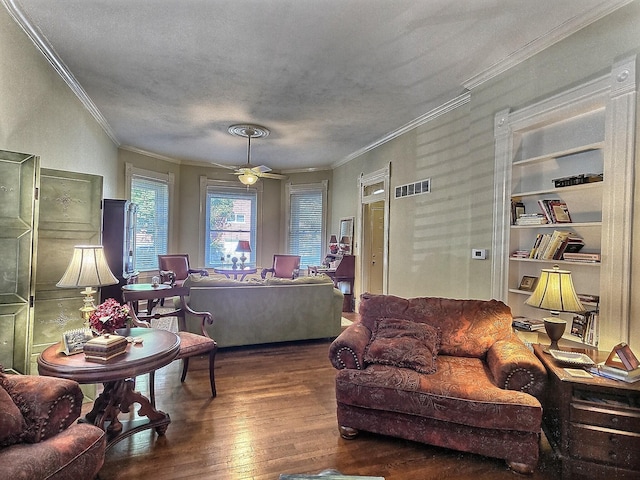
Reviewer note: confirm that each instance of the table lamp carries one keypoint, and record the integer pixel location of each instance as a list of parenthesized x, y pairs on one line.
[(344, 244), (243, 246), (88, 268), (555, 292), (333, 244)]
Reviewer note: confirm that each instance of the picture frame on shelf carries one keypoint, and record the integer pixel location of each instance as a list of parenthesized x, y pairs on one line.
[(528, 283)]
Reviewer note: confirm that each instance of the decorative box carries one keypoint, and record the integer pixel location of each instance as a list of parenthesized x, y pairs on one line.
[(104, 348)]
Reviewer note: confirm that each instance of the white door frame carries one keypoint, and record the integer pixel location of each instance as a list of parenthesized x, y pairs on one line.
[(364, 181)]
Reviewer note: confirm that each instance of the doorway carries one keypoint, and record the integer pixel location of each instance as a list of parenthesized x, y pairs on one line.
[(373, 231)]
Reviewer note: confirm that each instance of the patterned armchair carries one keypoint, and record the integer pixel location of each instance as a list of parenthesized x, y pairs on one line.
[(440, 371), (38, 437)]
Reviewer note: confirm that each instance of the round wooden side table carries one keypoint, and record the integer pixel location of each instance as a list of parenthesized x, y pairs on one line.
[(158, 348)]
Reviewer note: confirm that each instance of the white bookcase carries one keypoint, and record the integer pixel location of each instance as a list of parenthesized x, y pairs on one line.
[(586, 130)]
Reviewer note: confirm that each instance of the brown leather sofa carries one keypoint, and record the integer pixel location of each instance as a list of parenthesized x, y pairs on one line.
[(38, 437), (444, 372)]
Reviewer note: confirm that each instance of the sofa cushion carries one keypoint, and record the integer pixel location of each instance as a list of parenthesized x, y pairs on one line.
[(214, 281), (403, 343), (469, 327), (460, 391), (12, 423), (309, 280)]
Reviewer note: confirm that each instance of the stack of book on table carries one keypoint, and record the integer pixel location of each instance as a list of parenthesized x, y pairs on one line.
[(615, 373), (528, 324)]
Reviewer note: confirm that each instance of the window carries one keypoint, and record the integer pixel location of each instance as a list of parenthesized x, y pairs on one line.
[(230, 216), (306, 222), (150, 192)]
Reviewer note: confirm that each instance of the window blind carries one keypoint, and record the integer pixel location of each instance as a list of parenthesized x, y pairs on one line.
[(306, 225), (152, 220)]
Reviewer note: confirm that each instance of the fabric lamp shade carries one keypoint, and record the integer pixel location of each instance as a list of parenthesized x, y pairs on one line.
[(243, 246), (555, 292), (333, 239), (88, 268)]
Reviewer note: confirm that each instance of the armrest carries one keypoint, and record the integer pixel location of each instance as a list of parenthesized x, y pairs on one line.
[(347, 350), (205, 317), (201, 271), (515, 367), (48, 404), (264, 272), (168, 276)]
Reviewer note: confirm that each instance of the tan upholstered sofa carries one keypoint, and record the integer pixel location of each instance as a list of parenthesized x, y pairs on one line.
[(440, 371), (267, 311)]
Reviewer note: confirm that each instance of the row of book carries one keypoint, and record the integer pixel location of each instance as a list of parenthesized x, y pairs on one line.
[(551, 211), (585, 327), (553, 246)]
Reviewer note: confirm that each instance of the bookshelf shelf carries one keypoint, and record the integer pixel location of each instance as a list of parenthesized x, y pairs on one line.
[(558, 225), (558, 191), (559, 262), (559, 154)]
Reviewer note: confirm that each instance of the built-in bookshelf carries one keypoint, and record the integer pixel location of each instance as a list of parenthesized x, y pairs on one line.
[(562, 153)]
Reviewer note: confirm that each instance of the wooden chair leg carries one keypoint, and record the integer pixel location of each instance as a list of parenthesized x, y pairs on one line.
[(185, 367), (152, 388), (212, 379)]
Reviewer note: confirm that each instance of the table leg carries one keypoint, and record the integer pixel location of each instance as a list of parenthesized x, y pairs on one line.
[(117, 397)]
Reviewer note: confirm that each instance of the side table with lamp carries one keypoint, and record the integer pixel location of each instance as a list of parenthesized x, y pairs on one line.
[(555, 292)]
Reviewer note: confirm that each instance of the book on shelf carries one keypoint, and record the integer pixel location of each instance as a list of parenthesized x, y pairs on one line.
[(581, 257), (606, 371), (528, 324), (585, 327), (531, 219), (588, 298), (517, 210), (555, 211)]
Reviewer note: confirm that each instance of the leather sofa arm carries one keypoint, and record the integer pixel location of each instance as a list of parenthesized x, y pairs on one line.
[(515, 367), (49, 405), (347, 350)]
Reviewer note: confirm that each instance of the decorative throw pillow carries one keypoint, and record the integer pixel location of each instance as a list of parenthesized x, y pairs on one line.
[(403, 343), (12, 424)]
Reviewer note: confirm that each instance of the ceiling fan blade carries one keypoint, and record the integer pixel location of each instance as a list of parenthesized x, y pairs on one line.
[(261, 169), (276, 176), (227, 167)]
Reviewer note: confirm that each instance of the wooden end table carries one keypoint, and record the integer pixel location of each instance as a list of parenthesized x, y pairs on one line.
[(593, 424), (158, 348)]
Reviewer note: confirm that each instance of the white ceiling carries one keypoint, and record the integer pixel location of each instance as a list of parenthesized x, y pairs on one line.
[(329, 78)]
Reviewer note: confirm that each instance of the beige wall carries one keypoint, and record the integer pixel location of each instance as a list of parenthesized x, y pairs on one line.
[(432, 235), (40, 115)]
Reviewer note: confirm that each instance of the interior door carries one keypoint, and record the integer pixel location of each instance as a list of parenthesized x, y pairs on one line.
[(18, 182), (373, 260)]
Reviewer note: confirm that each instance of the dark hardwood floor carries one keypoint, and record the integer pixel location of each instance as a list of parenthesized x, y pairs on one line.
[(275, 413)]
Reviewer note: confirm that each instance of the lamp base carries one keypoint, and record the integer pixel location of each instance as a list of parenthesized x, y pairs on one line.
[(555, 327)]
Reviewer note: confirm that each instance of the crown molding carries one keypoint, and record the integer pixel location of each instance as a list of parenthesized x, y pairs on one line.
[(147, 153), (43, 45), (427, 117), (536, 46)]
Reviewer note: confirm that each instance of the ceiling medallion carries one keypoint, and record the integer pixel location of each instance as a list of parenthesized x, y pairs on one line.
[(248, 130)]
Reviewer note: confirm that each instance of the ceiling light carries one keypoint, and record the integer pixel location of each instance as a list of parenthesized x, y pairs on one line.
[(248, 178)]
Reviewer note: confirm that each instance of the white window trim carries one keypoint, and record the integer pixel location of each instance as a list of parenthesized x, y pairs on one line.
[(130, 171), (307, 187), (207, 182)]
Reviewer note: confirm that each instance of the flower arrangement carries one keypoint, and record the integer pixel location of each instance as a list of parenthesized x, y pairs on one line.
[(109, 316)]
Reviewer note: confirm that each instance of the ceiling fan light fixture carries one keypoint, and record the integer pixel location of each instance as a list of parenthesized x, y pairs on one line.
[(248, 178)]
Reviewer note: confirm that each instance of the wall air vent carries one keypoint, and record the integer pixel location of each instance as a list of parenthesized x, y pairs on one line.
[(415, 188)]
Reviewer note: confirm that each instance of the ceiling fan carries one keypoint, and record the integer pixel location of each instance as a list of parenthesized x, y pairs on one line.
[(249, 174)]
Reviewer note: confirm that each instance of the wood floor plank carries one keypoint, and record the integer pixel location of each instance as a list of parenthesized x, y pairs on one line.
[(275, 413)]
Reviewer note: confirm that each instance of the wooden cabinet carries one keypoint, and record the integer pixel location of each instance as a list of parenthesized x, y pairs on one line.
[(592, 424), (118, 240), (577, 132)]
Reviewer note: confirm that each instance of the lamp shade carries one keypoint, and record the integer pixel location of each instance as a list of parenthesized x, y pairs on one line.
[(333, 239), (344, 240), (243, 246), (88, 268), (555, 292)]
